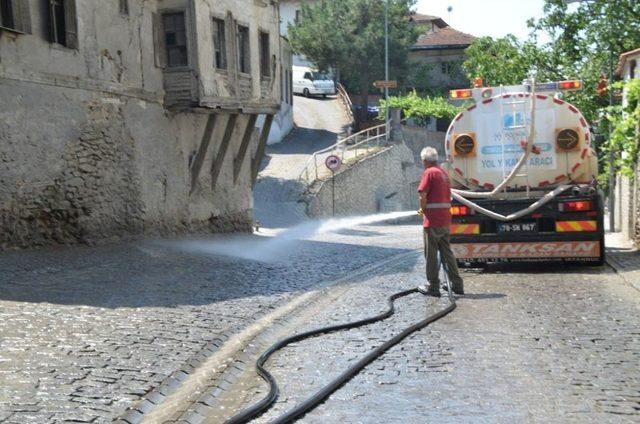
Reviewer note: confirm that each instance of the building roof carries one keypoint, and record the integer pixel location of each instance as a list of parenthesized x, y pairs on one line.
[(419, 18), (623, 61), (443, 38)]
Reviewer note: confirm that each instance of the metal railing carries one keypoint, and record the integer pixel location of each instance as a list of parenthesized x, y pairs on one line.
[(347, 149), (346, 100)]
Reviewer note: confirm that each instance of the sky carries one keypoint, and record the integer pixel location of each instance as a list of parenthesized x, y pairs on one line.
[(495, 18)]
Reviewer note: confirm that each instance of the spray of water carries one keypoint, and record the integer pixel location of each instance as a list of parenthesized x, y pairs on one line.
[(282, 245)]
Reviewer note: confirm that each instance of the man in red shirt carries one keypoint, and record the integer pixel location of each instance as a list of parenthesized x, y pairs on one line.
[(435, 206)]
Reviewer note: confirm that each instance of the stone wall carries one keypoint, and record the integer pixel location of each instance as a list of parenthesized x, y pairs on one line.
[(89, 149), (369, 186), (626, 200), (417, 138), (77, 166)]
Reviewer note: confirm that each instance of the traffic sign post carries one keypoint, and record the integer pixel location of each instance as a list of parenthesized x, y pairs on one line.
[(333, 162)]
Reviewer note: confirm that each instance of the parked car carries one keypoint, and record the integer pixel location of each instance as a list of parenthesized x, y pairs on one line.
[(309, 82)]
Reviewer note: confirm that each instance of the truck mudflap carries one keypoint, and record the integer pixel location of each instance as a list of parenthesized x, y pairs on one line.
[(528, 251)]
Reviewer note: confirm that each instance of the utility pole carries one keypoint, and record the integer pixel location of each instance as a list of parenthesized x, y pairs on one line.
[(612, 174), (386, 68)]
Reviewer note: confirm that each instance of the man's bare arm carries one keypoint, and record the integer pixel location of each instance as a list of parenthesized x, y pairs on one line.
[(423, 200)]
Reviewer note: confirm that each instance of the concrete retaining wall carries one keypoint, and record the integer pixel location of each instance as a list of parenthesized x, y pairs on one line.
[(382, 181)]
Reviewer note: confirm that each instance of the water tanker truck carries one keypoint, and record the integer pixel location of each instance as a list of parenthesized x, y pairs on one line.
[(523, 173)]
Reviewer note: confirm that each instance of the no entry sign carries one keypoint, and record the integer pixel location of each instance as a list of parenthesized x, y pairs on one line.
[(333, 162)]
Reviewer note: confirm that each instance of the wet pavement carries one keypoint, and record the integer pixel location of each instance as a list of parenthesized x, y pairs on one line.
[(87, 332), (523, 345)]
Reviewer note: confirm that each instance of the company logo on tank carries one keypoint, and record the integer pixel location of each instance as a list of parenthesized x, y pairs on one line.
[(499, 147)]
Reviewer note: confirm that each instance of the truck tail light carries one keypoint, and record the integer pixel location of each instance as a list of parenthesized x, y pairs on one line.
[(570, 85), (461, 211), (579, 206), (460, 94)]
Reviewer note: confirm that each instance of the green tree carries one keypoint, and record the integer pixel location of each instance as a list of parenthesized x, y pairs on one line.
[(497, 62), (348, 35), (586, 39)]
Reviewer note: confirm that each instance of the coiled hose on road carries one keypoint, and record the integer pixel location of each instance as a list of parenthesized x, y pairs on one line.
[(321, 395)]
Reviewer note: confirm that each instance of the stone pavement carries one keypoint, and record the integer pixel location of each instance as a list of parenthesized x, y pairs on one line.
[(527, 344), (85, 332), (624, 257)]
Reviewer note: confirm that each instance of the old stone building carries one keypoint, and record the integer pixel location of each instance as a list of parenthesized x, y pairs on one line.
[(127, 117)]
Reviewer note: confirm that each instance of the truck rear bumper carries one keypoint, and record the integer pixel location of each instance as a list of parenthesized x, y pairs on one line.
[(574, 248)]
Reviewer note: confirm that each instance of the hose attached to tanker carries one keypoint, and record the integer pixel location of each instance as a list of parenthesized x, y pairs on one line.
[(532, 208), (463, 195), (321, 395), (523, 159)]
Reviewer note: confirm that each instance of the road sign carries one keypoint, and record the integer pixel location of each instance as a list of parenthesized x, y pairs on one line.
[(333, 162), (385, 84)]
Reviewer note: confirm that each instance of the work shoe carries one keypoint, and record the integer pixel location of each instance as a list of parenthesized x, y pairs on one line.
[(428, 291), (456, 290)]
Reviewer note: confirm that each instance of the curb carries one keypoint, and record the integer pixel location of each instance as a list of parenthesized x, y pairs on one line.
[(632, 277)]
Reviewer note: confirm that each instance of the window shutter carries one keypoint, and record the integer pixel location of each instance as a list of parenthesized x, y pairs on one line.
[(160, 47), (71, 24), (21, 15)]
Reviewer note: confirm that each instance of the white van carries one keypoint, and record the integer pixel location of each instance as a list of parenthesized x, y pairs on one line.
[(308, 82)]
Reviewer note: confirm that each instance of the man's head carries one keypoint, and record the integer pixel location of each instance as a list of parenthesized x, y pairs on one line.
[(429, 157)]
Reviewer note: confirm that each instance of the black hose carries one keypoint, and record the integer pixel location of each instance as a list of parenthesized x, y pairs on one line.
[(300, 410)]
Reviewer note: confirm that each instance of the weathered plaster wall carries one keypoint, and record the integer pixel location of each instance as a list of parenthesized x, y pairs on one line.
[(88, 150), (365, 187), (81, 167)]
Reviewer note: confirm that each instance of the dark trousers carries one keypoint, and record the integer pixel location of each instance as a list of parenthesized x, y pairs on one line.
[(437, 240)]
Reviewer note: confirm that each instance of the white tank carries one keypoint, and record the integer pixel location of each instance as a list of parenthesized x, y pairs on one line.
[(485, 142)]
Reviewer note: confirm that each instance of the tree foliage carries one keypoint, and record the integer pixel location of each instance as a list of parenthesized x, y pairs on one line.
[(625, 127), (348, 35), (585, 40), (414, 106), (502, 61)]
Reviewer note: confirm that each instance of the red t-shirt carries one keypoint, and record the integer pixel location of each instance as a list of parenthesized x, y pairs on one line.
[(435, 183)]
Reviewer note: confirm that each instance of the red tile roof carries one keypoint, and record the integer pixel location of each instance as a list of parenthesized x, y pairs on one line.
[(443, 37)]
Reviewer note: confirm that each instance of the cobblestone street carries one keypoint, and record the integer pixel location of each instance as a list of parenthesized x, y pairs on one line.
[(87, 332), (523, 346)]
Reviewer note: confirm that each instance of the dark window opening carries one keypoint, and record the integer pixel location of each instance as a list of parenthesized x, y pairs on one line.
[(124, 7), (297, 16), (219, 44), (6, 14), (58, 22), (265, 68), (632, 69), (175, 39), (244, 53)]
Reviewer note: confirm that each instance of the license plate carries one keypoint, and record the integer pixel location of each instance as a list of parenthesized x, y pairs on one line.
[(517, 227)]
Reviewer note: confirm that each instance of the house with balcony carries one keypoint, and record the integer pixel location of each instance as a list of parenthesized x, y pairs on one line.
[(128, 118)]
